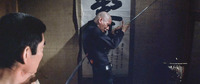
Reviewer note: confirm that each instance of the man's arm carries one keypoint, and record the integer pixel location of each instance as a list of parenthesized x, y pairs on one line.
[(109, 42), (124, 27)]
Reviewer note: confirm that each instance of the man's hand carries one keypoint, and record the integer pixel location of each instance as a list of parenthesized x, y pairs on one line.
[(123, 27), (117, 28)]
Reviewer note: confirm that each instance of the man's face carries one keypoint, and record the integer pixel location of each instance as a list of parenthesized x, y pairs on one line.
[(38, 56), (104, 25), (34, 60)]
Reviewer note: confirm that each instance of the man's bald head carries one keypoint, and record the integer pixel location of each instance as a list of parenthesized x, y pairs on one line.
[(104, 15)]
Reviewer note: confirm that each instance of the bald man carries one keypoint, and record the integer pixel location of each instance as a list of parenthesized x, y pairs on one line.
[(96, 45)]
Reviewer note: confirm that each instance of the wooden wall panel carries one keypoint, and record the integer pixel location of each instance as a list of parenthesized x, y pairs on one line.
[(7, 6)]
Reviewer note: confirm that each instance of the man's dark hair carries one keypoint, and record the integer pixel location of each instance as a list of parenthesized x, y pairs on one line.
[(17, 31)]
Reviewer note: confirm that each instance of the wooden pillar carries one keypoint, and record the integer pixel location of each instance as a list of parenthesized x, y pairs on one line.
[(8, 6)]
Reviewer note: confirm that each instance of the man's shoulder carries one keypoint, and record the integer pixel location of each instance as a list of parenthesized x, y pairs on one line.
[(92, 26), (91, 23), (88, 26)]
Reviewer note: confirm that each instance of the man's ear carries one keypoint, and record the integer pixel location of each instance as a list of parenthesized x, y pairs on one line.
[(100, 20), (26, 54)]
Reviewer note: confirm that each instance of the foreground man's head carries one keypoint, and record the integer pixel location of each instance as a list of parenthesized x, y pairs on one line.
[(21, 47)]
